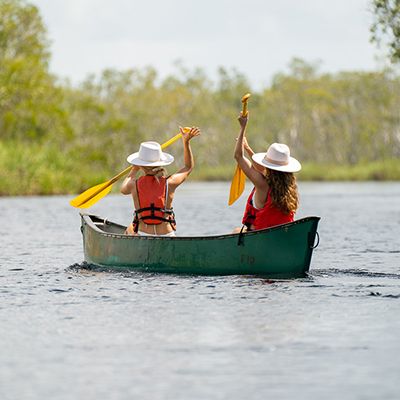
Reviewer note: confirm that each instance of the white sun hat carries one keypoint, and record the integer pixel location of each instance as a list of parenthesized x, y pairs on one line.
[(277, 158), (150, 155)]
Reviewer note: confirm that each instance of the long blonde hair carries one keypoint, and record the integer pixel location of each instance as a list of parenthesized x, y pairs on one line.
[(157, 172), (283, 188)]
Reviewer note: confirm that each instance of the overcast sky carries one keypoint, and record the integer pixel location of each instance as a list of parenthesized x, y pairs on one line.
[(257, 37)]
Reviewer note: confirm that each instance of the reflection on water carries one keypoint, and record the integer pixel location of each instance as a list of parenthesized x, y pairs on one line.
[(71, 332)]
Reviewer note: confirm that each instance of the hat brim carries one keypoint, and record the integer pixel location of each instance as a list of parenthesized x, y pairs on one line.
[(292, 166), (134, 159)]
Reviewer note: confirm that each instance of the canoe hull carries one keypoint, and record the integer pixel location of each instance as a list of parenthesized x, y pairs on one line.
[(281, 251)]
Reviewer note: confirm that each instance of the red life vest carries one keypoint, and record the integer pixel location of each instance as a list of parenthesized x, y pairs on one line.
[(152, 195), (264, 217)]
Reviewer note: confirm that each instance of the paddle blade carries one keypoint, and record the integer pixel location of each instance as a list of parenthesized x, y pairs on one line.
[(91, 196), (237, 185)]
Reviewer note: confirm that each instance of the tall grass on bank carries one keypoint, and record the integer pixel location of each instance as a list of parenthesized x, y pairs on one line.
[(33, 169), (43, 170), (385, 170)]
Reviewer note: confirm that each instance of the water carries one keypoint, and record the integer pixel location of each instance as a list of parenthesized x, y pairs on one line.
[(71, 333)]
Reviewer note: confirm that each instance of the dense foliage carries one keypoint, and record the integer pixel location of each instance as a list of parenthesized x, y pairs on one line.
[(386, 26), (56, 138)]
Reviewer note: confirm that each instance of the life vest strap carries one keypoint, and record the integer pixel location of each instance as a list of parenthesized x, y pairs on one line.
[(155, 217), (169, 211), (164, 210)]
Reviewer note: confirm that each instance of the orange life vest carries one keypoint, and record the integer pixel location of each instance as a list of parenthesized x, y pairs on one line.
[(152, 195)]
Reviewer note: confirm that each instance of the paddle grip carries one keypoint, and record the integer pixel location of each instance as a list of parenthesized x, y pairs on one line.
[(245, 99)]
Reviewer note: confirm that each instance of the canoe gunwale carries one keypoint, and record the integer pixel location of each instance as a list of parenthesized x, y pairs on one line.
[(89, 220)]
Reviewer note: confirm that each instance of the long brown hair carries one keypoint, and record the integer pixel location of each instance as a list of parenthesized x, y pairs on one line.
[(283, 190)]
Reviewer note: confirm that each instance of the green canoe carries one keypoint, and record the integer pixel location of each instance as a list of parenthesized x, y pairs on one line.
[(281, 251)]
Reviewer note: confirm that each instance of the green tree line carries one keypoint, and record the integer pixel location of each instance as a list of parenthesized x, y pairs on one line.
[(61, 138)]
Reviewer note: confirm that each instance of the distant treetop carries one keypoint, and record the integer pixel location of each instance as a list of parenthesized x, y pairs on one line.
[(386, 26)]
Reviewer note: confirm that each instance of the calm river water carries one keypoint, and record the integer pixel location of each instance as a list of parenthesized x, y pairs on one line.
[(72, 333)]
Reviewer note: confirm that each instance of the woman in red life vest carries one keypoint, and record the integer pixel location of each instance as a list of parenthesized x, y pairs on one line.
[(153, 192), (274, 199)]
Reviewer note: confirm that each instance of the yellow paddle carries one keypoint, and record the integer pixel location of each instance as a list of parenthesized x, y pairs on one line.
[(95, 193), (239, 178)]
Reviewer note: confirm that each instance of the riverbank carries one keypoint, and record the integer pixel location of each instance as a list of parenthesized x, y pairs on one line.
[(44, 170)]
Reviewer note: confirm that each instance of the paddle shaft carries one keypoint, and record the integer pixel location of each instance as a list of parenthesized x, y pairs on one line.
[(239, 178)]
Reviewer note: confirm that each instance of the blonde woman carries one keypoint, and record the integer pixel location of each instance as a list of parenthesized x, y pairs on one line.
[(274, 199), (153, 192)]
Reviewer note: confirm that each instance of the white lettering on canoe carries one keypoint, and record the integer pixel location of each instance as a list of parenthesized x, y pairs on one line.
[(246, 259)]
